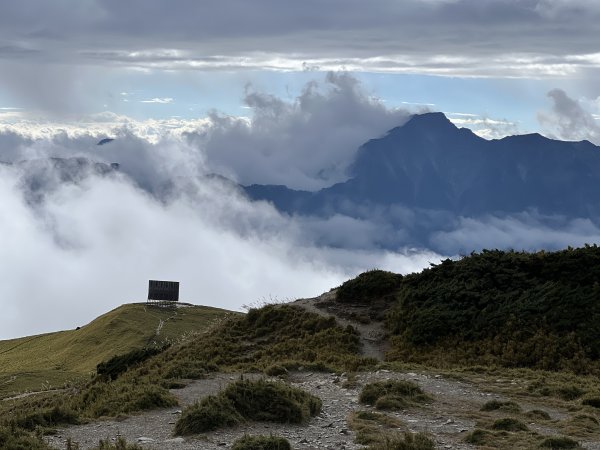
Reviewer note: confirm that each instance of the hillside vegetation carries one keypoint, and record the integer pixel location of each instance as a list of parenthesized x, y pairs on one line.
[(55, 358), (514, 309)]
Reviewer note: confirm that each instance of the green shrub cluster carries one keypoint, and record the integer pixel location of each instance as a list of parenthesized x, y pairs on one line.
[(119, 444), (261, 443), (248, 400), (559, 442), (12, 438), (515, 309), (392, 394), (509, 424), (406, 441), (369, 286), (116, 365), (283, 335)]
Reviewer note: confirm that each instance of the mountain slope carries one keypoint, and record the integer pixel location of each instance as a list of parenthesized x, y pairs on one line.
[(428, 163), (27, 362)]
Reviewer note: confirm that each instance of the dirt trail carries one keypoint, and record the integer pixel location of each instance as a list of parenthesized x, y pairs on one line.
[(372, 334)]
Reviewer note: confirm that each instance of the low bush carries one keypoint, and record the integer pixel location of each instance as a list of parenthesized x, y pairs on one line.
[(119, 444), (571, 392), (509, 424), (46, 418), (261, 443), (275, 370), (253, 400), (372, 427), (116, 365), (591, 401), (368, 286), (12, 438), (392, 394), (406, 441), (559, 442), (538, 414), (478, 437)]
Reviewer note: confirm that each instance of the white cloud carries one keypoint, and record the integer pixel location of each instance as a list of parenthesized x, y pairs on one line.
[(161, 100), (569, 119), (305, 143), (82, 248)]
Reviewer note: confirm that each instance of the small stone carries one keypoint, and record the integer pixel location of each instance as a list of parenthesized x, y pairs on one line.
[(449, 421), (143, 439)]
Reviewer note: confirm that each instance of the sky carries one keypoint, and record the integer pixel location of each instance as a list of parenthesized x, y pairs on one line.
[(260, 91)]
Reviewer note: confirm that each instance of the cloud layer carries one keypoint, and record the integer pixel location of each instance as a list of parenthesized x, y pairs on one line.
[(553, 37)]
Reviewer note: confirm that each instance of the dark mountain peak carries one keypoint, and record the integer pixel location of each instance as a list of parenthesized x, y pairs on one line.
[(430, 121)]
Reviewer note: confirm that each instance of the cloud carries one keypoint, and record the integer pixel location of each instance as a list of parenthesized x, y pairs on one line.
[(568, 119), (459, 37), (89, 243), (305, 143), (163, 100), (525, 231)]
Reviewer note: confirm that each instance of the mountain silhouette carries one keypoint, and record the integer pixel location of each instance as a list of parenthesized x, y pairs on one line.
[(430, 164)]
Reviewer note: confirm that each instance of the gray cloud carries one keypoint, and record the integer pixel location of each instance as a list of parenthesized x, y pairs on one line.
[(488, 37), (86, 246), (525, 231), (306, 143), (569, 120)]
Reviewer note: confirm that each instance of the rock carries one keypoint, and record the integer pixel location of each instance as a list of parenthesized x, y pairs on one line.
[(177, 440), (144, 440)]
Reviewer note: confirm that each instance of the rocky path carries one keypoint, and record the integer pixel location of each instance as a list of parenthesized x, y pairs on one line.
[(372, 335), (154, 429)]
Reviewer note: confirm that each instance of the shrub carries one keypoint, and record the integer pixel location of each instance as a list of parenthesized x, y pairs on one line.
[(116, 365), (261, 443), (495, 405), (392, 394), (44, 418), (120, 444), (591, 401), (254, 400), (538, 414), (12, 438), (275, 370), (372, 427), (407, 441), (368, 286), (569, 392), (478, 437), (509, 424), (559, 442)]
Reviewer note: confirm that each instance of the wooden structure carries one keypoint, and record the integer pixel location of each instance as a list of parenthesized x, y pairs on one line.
[(163, 293)]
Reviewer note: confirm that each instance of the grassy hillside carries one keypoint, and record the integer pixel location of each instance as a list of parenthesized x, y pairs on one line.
[(53, 358), (513, 309)]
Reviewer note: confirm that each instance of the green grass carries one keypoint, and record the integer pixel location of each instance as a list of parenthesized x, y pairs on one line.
[(406, 441), (260, 400), (53, 359), (509, 424), (559, 442), (392, 394), (372, 427), (496, 405)]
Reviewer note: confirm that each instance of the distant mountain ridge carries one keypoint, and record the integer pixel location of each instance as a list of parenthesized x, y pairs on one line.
[(430, 164)]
